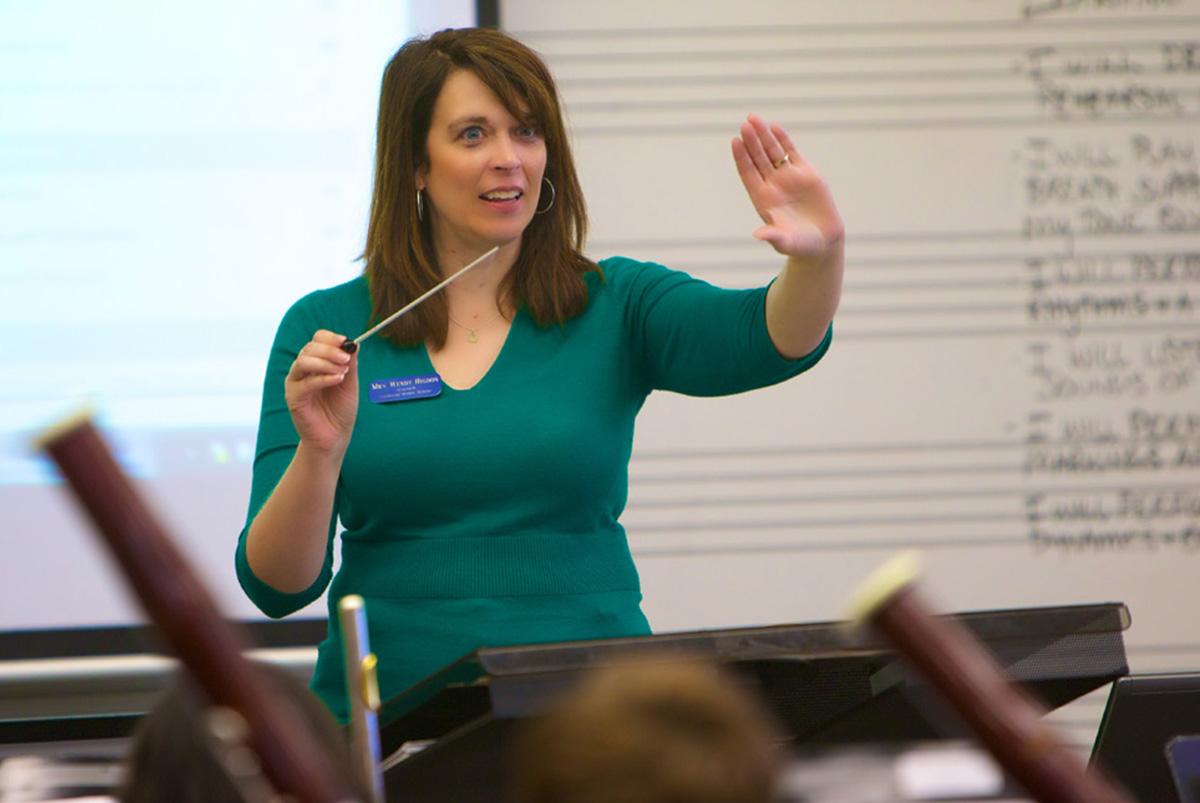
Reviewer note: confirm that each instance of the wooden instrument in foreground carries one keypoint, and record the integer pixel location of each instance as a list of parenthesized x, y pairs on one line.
[(174, 598), (1007, 720)]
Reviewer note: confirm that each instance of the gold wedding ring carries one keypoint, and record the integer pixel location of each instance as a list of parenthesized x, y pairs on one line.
[(778, 163)]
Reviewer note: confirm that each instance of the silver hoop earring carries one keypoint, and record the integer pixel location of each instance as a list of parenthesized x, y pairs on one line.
[(553, 195), (420, 207)]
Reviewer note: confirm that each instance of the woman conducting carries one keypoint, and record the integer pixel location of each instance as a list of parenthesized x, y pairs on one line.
[(476, 453)]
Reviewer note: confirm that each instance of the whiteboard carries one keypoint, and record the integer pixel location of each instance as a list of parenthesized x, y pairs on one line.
[(1014, 383)]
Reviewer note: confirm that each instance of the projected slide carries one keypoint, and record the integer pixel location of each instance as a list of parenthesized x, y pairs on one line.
[(172, 177)]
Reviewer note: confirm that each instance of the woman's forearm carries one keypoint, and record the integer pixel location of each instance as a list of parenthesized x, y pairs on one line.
[(802, 301), (286, 542)]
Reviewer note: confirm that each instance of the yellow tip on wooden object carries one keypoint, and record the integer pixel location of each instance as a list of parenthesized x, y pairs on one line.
[(898, 572), (60, 429)]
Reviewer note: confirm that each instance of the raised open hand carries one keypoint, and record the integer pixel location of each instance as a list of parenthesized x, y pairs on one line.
[(797, 208)]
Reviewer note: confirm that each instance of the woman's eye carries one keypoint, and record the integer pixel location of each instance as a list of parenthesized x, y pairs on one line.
[(527, 132), (472, 133)]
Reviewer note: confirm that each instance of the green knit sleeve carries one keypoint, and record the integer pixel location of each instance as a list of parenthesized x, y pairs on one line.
[(277, 442), (694, 338)]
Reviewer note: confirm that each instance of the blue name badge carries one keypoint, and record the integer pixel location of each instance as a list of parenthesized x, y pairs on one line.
[(404, 388)]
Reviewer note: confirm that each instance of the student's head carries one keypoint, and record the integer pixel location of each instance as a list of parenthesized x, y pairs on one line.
[(650, 732), (471, 152), (172, 756)]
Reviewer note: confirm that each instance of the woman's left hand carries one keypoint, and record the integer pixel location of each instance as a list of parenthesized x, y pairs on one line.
[(787, 192)]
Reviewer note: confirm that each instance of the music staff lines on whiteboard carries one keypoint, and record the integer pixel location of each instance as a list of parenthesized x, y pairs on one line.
[(1021, 97), (847, 544), (890, 523), (882, 239), (924, 310), (802, 450), (904, 29), (808, 449), (1023, 493), (821, 78), (774, 53), (775, 475), (957, 472), (1005, 331), (739, 540), (995, 75), (836, 545), (875, 124), (916, 286), (955, 271)]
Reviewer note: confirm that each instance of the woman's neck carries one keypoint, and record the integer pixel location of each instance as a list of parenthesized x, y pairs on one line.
[(480, 285)]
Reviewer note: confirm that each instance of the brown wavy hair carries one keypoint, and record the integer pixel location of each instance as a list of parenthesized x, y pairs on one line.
[(547, 277)]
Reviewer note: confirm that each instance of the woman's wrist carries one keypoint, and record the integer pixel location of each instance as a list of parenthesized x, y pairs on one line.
[(320, 460)]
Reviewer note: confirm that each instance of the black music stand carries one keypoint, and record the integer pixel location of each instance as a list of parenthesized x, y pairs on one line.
[(826, 684)]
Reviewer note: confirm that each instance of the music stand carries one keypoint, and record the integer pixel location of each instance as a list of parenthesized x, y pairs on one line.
[(826, 684)]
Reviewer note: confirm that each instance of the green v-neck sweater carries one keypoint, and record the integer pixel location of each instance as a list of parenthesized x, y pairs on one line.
[(489, 516)]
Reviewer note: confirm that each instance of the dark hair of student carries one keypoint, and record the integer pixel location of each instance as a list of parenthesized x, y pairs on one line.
[(400, 262), (171, 756)]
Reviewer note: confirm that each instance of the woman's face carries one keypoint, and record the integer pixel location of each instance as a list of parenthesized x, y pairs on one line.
[(485, 169)]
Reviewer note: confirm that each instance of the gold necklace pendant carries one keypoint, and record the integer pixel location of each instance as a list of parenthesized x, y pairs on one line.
[(472, 334)]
